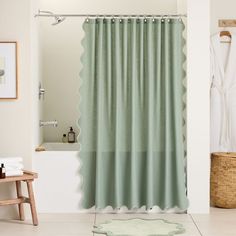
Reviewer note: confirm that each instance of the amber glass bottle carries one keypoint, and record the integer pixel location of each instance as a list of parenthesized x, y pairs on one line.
[(71, 136), (2, 172)]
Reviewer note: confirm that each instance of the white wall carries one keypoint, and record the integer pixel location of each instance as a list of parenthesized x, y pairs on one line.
[(108, 6), (198, 108), (15, 115), (15, 119), (61, 52), (222, 10), (35, 70)]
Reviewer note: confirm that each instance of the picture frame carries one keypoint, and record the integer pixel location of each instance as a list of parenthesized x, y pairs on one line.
[(8, 70)]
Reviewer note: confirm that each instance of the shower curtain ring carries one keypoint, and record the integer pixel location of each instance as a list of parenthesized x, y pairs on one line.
[(162, 19), (145, 19), (138, 19), (87, 19)]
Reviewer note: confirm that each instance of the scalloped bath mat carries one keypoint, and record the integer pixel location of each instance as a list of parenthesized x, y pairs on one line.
[(139, 227)]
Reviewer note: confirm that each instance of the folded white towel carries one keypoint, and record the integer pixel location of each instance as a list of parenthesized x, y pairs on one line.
[(9, 160), (14, 173), (14, 166)]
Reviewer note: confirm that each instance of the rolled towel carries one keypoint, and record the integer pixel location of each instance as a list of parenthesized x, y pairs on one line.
[(14, 173), (10, 160)]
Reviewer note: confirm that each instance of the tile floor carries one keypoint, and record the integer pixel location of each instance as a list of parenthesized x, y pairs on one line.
[(219, 223)]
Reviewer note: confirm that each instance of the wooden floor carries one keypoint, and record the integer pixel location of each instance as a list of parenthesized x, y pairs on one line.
[(219, 223)]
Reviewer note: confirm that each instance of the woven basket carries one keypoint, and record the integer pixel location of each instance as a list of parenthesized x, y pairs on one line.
[(223, 180)]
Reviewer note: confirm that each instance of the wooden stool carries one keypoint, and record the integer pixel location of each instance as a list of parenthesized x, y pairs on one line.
[(27, 177)]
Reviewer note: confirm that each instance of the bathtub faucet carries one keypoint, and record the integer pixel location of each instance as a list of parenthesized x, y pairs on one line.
[(53, 123)]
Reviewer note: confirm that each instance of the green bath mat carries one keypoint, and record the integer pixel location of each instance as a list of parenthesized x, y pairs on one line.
[(139, 227)]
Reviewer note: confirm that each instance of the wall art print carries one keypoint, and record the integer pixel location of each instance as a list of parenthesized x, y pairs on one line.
[(8, 70)]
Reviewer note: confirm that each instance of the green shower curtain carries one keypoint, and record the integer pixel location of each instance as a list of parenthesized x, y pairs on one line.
[(131, 113)]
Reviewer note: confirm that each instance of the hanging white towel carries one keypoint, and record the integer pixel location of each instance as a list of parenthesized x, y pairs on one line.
[(223, 89)]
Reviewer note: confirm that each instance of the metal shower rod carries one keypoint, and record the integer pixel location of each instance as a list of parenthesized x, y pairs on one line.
[(50, 14)]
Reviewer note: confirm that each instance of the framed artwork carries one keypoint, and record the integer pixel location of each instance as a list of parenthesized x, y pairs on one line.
[(8, 70)]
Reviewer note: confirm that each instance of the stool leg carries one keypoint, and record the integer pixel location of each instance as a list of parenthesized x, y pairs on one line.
[(19, 195), (32, 202)]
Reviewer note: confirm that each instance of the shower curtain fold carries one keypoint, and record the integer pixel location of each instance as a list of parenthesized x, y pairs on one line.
[(132, 147)]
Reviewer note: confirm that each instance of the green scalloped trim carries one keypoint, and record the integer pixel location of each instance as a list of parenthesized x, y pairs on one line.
[(81, 78)]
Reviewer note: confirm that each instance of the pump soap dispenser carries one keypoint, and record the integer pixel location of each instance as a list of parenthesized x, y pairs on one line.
[(71, 136)]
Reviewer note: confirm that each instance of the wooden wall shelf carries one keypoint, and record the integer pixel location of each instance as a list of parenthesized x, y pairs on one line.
[(227, 23)]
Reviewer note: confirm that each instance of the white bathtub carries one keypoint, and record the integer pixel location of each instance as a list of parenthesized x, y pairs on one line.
[(57, 187), (61, 146)]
